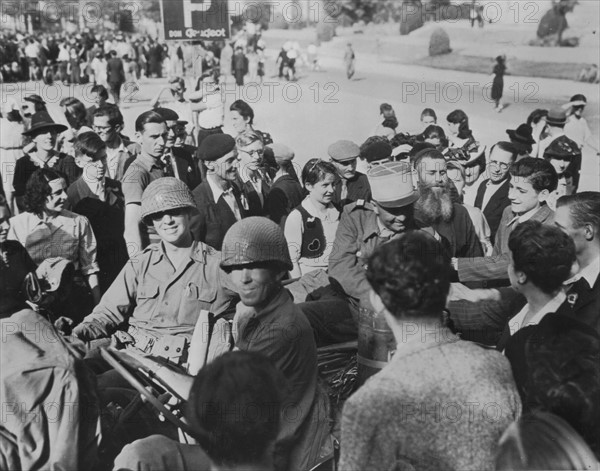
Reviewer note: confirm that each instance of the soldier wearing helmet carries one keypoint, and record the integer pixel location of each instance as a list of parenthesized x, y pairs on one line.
[(161, 292), (256, 257)]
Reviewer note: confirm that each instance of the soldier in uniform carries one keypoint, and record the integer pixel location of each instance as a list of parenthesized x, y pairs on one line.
[(161, 292), (365, 225), (352, 185)]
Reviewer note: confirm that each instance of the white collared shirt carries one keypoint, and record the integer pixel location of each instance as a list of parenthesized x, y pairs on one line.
[(490, 190), (590, 273), (516, 323), (228, 195)]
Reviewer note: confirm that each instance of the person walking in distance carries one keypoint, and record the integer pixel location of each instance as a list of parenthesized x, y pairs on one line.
[(349, 59)]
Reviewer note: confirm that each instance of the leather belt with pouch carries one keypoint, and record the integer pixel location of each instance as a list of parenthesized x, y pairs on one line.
[(173, 348)]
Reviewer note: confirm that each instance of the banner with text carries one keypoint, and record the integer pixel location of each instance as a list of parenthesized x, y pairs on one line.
[(195, 19)]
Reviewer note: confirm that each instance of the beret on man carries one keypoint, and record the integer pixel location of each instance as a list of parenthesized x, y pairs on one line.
[(216, 146), (377, 150), (342, 151), (282, 153)]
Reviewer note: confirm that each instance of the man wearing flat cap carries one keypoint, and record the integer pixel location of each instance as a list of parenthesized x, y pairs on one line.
[(365, 225), (286, 193), (219, 202), (352, 185)]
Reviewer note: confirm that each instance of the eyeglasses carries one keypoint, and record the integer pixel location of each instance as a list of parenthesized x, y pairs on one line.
[(502, 165), (102, 129), (171, 212)]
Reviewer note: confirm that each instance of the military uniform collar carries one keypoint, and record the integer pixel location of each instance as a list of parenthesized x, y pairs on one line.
[(198, 253)]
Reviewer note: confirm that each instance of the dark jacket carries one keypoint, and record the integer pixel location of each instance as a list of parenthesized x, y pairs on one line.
[(358, 189), (114, 71), (461, 234), (107, 219), (187, 168), (495, 207), (584, 305), (286, 194), (212, 219)]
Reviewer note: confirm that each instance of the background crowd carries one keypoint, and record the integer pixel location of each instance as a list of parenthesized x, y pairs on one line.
[(483, 263)]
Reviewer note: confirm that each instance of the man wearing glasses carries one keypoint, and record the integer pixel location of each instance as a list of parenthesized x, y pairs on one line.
[(108, 124), (492, 194)]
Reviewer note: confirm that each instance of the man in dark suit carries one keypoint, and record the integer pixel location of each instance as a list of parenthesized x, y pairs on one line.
[(579, 216), (352, 185), (115, 76), (492, 194), (179, 159), (219, 202)]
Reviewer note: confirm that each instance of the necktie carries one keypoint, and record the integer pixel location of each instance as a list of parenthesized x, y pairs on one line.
[(232, 203), (344, 192)]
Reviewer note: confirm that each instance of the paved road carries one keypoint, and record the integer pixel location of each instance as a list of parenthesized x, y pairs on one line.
[(323, 107)]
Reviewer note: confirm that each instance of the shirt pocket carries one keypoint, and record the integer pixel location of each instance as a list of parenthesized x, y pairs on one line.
[(146, 300), (195, 297)]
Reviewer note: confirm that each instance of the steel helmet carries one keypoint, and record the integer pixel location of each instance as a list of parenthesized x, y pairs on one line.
[(164, 194), (254, 240)]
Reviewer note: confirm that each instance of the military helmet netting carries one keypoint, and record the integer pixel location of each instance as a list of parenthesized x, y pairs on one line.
[(254, 240), (164, 194)]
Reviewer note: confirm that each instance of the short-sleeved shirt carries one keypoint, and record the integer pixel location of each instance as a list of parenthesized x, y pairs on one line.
[(66, 235), (142, 171)]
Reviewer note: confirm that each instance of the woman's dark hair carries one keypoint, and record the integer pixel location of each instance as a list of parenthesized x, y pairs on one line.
[(460, 117), (544, 253), (542, 441), (100, 90), (432, 132), (235, 406), (559, 372), (389, 116), (428, 112), (147, 117), (539, 172), (536, 115), (112, 112), (38, 189), (75, 112), (316, 170), (88, 144), (411, 275), (244, 109)]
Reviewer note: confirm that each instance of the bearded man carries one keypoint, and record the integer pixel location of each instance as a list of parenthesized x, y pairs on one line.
[(435, 207)]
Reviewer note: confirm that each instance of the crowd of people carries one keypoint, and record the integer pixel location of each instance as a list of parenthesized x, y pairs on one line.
[(484, 263)]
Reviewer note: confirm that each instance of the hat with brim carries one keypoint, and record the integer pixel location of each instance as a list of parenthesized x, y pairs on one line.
[(35, 99), (392, 184), (562, 148), (576, 103), (42, 121), (556, 117), (522, 135)]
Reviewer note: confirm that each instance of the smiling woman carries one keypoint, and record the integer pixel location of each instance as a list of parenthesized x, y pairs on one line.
[(310, 228), (47, 230)]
